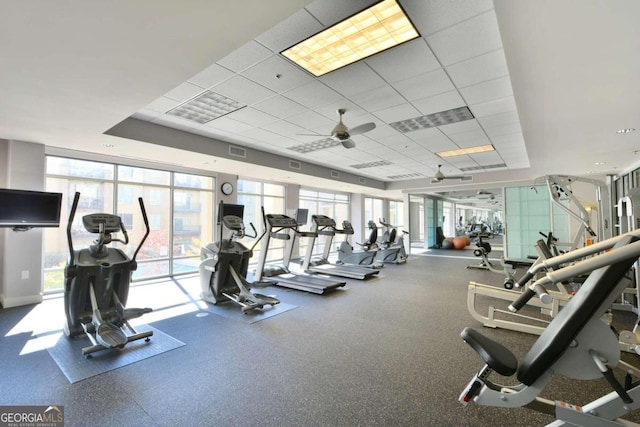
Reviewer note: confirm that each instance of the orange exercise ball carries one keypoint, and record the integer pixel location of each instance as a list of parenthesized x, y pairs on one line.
[(459, 243)]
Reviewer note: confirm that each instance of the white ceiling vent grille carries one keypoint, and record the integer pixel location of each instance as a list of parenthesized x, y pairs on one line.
[(335, 174), (406, 176), (481, 168), (206, 107), (371, 164), (432, 120), (293, 164), (363, 180), (237, 152)]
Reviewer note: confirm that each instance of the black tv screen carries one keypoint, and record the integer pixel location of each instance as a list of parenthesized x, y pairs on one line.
[(22, 208), (226, 209)]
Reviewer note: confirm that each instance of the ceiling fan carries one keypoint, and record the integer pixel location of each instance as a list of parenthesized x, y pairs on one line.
[(439, 176), (343, 134)]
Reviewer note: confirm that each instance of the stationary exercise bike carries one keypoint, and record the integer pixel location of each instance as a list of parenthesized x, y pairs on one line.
[(225, 264), (390, 250), (364, 258), (97, 282)]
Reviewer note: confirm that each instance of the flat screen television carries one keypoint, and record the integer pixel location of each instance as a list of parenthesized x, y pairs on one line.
[(226, 209), (27, 209)]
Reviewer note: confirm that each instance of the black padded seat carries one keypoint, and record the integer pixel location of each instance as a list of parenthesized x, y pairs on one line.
[(494, 354), (568, 323)]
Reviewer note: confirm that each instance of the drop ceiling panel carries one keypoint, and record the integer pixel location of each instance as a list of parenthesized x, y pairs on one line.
[(279, 106), (332, 11), (252, 117), (485, 67), (441, 102), (435, 15), (162, 105), (292, 30), (506, 129), (285, 128), (378, 99), (491, 108), (399, 112), (354, 79), (265, 73), (311, 120), (211, 76), (243, 90), (354, 112), (227, 124), (487, 91), (470, 139), (488, 158), (402, 62), (467, 39), (499, 119), (246, 56), (184, 92), (424, 85), (313, 95)]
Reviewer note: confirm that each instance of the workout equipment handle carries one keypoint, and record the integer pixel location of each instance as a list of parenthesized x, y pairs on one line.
[(529, 293), (146, 224), (72, 214)]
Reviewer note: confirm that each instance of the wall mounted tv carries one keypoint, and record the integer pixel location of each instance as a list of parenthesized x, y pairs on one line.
[(22, 209)]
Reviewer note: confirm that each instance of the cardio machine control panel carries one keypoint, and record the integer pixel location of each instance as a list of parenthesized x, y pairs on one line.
[(347, 228), (281, 221), (323, 221), (233, 222), (92, 222)]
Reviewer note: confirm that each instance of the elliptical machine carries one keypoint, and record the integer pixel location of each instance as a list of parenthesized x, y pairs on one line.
[(364, 258), (97, 283), (390, 250), (225, 264)]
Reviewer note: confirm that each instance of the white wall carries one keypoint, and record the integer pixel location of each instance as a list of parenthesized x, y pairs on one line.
[(21, 252)]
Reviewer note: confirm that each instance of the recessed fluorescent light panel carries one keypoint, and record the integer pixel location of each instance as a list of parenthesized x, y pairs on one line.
[(469, 150), (432, 120), (371, 164), (373, 30), (206, 107), (315, 145)]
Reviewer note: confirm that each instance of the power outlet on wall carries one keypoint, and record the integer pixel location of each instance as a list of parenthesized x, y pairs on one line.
[(25, 274)]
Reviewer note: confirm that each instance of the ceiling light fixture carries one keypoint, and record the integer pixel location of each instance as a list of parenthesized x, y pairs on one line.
[(627, 130), (371, 164), (315, 145), (373, 30), (206, 107), (468, 150)]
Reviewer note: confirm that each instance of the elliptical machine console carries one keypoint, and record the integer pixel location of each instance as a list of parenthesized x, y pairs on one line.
[(225, 264), (97, 282)]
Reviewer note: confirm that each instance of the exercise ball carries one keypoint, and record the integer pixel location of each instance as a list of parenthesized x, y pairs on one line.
[(459, 243), (467, 240), (447, 244)]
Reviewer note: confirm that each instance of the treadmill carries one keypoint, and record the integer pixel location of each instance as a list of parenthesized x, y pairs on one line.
[(325, 226), (281, 227)]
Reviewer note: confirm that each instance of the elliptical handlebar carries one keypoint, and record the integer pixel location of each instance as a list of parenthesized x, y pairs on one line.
[(146, 224), (72, 214)]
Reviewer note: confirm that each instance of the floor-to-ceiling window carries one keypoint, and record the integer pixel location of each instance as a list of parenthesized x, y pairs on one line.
[(333, 205), (373, 211), (179, 208), (255, 196)]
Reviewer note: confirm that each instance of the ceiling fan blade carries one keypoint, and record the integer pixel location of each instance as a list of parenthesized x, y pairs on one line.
[(366, 127), (348, 143)]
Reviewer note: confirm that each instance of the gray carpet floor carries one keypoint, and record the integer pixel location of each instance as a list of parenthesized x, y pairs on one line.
[(380, 352)]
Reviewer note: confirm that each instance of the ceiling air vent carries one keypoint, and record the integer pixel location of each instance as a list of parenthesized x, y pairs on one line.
[(363, 180), (237, 151), (335, 174), (293, 164)]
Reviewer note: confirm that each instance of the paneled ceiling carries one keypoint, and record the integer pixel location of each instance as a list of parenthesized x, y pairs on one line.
[(548, 83)]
